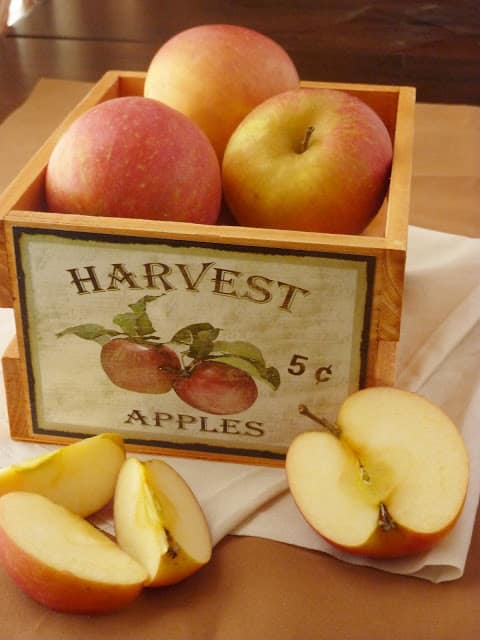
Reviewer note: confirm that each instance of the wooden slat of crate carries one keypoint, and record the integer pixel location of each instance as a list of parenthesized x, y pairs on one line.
[(385, 238)]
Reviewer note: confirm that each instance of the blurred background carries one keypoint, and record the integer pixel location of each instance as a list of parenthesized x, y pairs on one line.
[(434, 46)]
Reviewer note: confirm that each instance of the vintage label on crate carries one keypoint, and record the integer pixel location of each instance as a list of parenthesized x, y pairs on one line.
[(254, 333)]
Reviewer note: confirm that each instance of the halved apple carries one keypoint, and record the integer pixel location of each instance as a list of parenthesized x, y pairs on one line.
[(159, 522), (80, 476), (389, 479), (61, 560)]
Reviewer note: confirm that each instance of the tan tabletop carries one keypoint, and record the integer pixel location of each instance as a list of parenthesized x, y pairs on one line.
[(257, 588)]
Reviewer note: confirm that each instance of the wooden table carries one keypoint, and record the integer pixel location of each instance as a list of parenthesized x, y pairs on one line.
[(435, 47), (257, 588)]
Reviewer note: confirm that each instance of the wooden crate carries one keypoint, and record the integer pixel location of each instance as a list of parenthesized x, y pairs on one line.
[(330, 329)]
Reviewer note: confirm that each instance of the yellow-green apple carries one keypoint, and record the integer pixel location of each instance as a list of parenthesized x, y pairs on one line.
[(311, 159), (140, 365), (389, 479), (216, 73), (216, 387), (80, 476), (159, 522), (63, 561), (134, 157)]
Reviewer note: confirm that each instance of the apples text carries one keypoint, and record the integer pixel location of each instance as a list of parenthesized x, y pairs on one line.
[(183, 422)]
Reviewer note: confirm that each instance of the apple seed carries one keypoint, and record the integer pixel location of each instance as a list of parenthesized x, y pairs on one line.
[(365, 476), (173, 548)]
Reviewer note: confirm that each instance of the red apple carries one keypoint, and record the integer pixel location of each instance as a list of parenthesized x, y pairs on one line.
[(389, 479), (139, 365), (215, 74), (216, 387), (308, 160), (134, 157), (63, 561)]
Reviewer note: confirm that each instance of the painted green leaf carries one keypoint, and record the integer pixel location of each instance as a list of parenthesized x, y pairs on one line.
[(89, 332), (199, 338), (269, 375), (242, 349), (141, 305), (272, 376), (188, 334), (239, 363), (247, 357), (136, 323)]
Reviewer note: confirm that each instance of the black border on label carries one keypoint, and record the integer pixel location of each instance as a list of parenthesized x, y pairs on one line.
[(18, 231)]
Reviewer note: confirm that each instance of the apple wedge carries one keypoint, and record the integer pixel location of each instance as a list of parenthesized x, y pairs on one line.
[(389, 479), (159, 522), (61, 560), (79, 476)]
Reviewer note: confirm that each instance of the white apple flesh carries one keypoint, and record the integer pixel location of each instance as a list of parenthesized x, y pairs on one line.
[(159, 522), (393, 480), (61, 560), (311, 159), (80, 476)]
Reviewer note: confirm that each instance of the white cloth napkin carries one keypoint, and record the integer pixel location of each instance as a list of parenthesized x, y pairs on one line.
[(438, 357)]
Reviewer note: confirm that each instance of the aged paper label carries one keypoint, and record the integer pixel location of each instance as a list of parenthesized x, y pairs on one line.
[(271, 329)]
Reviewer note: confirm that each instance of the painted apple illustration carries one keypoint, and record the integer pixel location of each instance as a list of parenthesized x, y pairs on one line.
[(216, 387), (211, 375), (140, 365), (133, 358), (388, 479), (220, 377)]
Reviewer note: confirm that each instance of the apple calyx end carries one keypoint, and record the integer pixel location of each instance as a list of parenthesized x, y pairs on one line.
[(326, 424), (385, 520), (306, 139)]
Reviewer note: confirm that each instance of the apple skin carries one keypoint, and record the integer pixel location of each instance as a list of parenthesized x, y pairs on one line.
[(417, 467), (336, 185), (59, 590), (140, 366), (36, 563), (216, 73), (398, 543), (134, 157), (216, 387)]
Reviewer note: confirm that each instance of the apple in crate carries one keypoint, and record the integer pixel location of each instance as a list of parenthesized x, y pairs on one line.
[(159, 522), (216, 73), (79, 476), (312, 159), (389, 479), (63, 561), (137, 158)]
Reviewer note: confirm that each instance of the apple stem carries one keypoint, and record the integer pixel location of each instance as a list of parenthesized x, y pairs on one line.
[(385, 521), (306, 139), (326, 424)]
